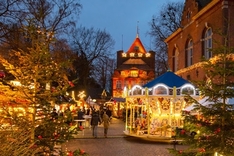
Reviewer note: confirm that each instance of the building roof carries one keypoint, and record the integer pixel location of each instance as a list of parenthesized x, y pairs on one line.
[(137, 66), (137, 46), (169, 79), (134, 61)]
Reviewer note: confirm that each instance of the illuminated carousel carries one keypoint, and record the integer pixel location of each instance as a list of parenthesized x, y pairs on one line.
[(153, 111)]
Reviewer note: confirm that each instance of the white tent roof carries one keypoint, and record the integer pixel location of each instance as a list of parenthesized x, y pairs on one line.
[(205, 102)]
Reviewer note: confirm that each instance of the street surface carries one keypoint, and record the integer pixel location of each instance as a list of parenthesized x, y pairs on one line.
[(120, 146), (117, 144)]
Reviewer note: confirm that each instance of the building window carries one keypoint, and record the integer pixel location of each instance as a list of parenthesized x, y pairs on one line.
[(207, 43), (125, 83), (188, 15), (175, 60), (189, 53), (118, 84), (122, 73), (134, 73)]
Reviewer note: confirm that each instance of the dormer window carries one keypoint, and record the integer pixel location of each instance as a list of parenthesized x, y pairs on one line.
[(132, 54), (140, 54), (147, 54), (136, 48), (124, 55)]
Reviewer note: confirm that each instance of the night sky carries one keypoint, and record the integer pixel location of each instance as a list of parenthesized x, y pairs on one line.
[(121, 18)]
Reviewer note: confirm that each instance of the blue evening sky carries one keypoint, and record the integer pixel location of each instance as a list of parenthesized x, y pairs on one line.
[(120, 18)]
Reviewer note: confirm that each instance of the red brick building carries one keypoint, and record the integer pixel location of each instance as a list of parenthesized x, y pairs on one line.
[(201, 22), (135, 66)]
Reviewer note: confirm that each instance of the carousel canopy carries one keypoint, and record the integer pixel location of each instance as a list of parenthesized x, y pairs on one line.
[(169, 78)]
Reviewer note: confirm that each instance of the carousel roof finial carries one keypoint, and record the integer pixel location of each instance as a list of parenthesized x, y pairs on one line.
[(169, 70)]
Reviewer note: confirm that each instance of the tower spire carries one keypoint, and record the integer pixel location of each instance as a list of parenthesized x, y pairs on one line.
[(137, 29)]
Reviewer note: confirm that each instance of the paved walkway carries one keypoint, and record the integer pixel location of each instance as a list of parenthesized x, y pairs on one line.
[(116, 129)]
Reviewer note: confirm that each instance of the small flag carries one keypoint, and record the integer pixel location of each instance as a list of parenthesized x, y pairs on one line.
[(104, 93), (88, 99)]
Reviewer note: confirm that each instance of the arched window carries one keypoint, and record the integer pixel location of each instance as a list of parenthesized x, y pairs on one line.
[(175, 60), (188, 90), (160, 90), (136, 91), (189, 53), (207, 43)]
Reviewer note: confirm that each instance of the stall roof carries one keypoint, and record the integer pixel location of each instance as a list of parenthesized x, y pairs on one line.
[(118, 99), (169, 78)]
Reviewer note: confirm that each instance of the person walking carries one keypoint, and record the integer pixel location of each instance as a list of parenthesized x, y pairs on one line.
[(95, 120), (106, 122), (109, 113)]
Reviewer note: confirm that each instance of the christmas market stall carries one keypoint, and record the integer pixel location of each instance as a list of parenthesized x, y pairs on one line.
[(154, 109), (116, 105)]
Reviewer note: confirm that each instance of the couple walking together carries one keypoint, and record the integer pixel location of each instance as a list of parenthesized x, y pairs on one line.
[(97, 120)]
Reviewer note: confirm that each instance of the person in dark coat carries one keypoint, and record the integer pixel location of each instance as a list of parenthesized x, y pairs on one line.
[(80, 115), (95, 120), (109, 113), (88, 111)]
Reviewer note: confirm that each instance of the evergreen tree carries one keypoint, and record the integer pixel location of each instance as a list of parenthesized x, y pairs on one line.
[(40, 82), (211, 130)]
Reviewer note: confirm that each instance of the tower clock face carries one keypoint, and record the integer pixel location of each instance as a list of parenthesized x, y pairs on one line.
[(165, 105)]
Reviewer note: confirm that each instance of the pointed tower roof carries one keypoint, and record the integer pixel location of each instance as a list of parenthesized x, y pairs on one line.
[(137, 46)]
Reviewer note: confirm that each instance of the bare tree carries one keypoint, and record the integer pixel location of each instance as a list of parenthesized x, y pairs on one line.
[(103, 72), (5, 6), (56, 16), (90, 46), (162, 26)]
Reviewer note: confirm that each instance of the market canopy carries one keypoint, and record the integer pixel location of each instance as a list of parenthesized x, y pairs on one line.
[(169, 78), (116, 99), (207, 103)]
